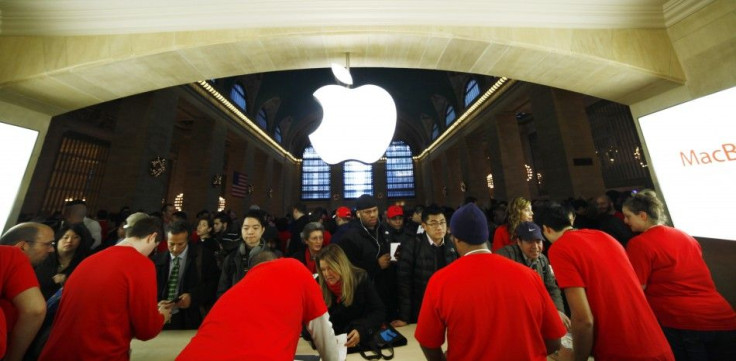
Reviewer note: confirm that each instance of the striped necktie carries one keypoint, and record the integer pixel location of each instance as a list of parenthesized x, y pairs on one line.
[(173, 280)]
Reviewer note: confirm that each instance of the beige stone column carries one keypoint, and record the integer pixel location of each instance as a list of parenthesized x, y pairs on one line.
[(512, 178)]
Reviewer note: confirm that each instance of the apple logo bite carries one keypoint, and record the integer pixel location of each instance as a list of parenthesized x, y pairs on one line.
[(357, 124)]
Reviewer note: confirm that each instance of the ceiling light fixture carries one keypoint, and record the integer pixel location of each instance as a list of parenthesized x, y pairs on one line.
[(357, 124)]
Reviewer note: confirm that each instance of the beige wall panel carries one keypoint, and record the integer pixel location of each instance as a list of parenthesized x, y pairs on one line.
[(56, 93), (21, 57), (702, 20), (154, 43), (461, 54), (487, 61), (433, 50), (232, 60)]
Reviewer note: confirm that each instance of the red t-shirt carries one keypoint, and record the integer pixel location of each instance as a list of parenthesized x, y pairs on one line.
[(3, 335), (488, 318), (16, 276), (261, 317), (679, 289), (109, 299), (624, 326), (501, 238)]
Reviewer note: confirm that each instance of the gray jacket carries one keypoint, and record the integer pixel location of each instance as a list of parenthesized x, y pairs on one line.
[(514, 253)]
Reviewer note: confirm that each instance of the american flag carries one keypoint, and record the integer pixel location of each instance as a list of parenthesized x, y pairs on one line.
[(240, 184)]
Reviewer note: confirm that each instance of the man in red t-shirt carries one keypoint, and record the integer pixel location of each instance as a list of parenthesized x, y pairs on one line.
[(486, 318), (36, 241), (19, 288), (610, 316), (261, 317), (109, 299)]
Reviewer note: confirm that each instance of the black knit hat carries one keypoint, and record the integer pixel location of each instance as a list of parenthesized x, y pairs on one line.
[(365, 201), (469, 224)]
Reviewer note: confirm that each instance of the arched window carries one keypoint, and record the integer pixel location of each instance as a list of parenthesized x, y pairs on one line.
[(237, 94), (449, 115), (471, 91), (489, 181), (277, 134), (315, 176), (358, 179), (179, 201), (399, 171), (435, 131), (262, 119)]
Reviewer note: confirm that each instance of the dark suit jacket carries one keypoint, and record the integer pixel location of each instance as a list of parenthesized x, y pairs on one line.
[(199, 279)]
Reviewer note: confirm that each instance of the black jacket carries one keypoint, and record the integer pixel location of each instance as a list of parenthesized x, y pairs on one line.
[(221, 245), (417, 263), (339, 233), (614, 227), (365, 314), (235, 266), (199, 280), (363, 247), (296, 228)]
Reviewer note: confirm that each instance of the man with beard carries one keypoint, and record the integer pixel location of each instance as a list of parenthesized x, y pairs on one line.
[(366, 246)]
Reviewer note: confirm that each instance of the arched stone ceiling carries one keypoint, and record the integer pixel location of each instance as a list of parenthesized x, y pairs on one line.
[(57, 56)]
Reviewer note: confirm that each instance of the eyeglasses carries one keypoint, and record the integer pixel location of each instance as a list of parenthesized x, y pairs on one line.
[(437, 224), (45, 244)]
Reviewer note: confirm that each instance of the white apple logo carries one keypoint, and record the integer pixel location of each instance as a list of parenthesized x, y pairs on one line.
[(356, 123)]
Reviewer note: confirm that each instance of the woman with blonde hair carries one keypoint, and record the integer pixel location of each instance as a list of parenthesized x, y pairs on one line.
[(352, 302), (519, 210), (698, 322)]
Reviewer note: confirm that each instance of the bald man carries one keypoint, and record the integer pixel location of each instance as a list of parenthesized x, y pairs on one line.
[(22, 304), (35, 240)]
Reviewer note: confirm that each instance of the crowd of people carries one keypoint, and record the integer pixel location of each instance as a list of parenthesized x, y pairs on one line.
[(517, 277)]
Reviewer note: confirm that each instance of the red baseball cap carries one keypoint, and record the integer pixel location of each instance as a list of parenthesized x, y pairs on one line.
[(394, 211), (343, 212)]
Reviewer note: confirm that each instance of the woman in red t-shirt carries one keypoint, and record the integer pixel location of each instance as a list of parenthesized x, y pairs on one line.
[(697, 321), (520, 210)]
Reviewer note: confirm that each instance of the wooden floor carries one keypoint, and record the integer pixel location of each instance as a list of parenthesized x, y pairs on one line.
[(167, 345)]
